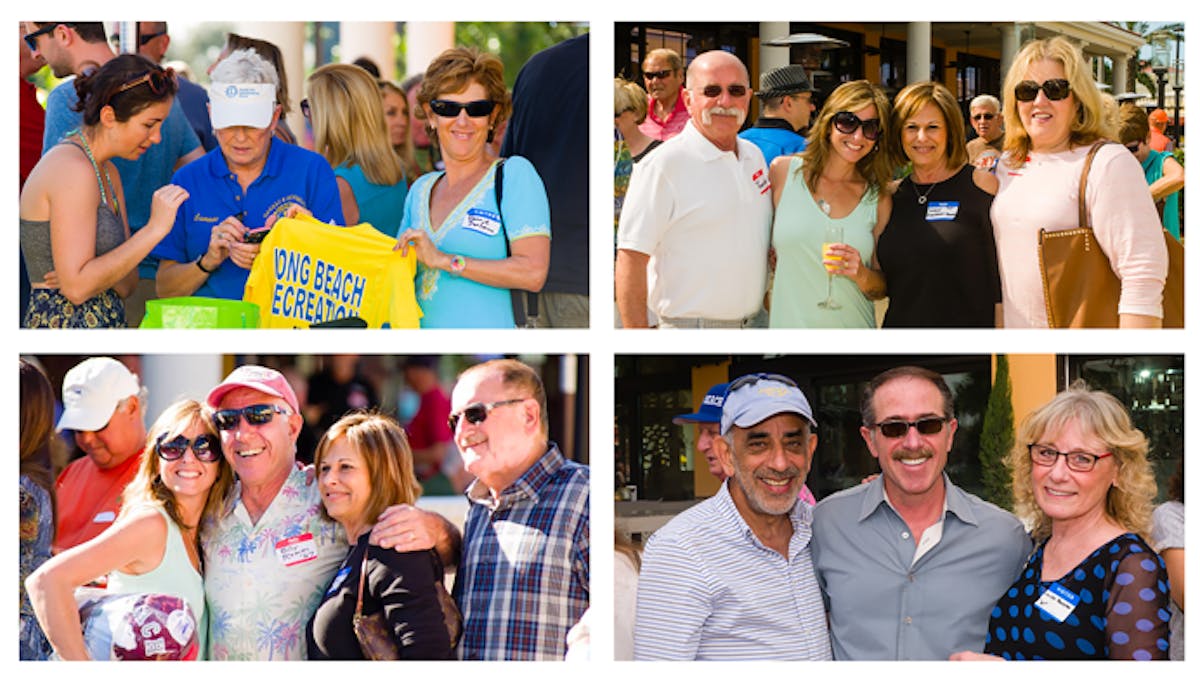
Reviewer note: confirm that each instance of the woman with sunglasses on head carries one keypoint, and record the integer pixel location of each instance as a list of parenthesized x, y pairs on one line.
[(834, 187), (1053, 116), (475, 240), (937, 250), (75, 236), (349, 130), (1093, 588), (364, 465), (152, 547)]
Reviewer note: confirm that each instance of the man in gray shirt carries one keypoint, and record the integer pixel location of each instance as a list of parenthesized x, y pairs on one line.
[(910, 565)]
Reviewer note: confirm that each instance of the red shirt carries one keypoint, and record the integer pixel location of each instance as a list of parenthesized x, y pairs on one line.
[(428, 426), (89, 498), (672, 125), (33, 125)]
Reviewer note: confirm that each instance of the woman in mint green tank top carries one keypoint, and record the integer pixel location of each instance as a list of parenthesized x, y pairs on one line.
[(837, 182), (152, 547)]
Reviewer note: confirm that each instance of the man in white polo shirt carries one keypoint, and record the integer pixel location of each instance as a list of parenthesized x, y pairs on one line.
[(695, 228), (732, 578)]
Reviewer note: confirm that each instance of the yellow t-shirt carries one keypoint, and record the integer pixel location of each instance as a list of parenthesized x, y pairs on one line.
[(309, 272)]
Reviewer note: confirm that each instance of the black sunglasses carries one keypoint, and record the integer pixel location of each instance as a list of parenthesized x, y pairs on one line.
[(1133, 147), (256, 415), (983, 117), (751, 379), (651, 75), (898, 428), (31, 38), (450, 109), (478, 412), (157, 80), (846, 123), (306, 108), (206, 448), (1055, 89), (734, 90)]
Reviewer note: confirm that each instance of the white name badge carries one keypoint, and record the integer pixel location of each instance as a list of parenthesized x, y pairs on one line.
[(105, 517), (762, 181), (297, 549), (1057, 602), (482, 221), (941, 210)]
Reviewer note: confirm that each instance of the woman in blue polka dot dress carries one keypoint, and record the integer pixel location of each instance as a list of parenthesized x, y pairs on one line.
[(1093, 588)]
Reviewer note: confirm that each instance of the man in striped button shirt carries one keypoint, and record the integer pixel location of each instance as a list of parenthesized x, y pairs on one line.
[(732, 577)]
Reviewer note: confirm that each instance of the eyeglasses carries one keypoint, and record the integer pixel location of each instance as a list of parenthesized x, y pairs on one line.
[(898, 428), (847, 123), (735, 90), (651, 75), (206, 448), (31, 38), (256, 415), (1055, 89), (476, 413), (1077, 460), (982, 117), (157, 80), (751, 379), (450, 109), (306, 108)]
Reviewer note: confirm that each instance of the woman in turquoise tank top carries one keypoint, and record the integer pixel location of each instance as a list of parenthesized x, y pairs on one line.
[(152, 547), (837, 182)]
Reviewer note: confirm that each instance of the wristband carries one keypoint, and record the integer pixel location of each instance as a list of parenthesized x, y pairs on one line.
[(200, 265), (457, 264)]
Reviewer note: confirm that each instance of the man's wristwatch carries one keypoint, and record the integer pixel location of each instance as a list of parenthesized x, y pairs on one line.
[(200, 264)]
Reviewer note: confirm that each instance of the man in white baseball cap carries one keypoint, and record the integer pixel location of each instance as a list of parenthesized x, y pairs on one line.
[(104, 405), (732, 577)]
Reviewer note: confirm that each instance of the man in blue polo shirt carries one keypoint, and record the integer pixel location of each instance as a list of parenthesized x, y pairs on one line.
[(241, 188), (787, 105)]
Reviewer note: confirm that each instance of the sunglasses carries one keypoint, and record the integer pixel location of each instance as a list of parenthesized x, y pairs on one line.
[(157, 80), (1056, 89), (31, 38), (983, 117), (450, 109), (751, 379), (898, 428), (1133, 147), (306, 108), (847, 123), (651, 75), (476, 413), (1077, 460), (735, 90), (206, 448), (256, 415)]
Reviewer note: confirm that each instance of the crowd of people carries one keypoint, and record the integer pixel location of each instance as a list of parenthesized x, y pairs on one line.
[(428, 203), (811, 219), (907, 565), (276, 560)]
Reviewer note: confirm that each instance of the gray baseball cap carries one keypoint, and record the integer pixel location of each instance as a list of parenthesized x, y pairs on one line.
[(756, 397)]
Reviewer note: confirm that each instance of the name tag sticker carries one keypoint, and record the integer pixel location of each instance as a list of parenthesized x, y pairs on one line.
[(941, 210), (1057, 602), (482, 221), (105, 517), (762, 181), (338, 580), (296, 550)]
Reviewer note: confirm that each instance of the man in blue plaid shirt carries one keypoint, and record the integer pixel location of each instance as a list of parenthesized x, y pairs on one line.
[(523, 579)]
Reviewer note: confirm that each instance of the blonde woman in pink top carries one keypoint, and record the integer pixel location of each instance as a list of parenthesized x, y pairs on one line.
[(1053, 115)]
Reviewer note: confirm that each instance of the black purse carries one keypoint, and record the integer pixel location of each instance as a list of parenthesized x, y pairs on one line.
[(524, 303)]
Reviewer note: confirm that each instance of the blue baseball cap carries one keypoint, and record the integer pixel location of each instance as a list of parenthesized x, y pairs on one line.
[(710, 408), (758, 397)]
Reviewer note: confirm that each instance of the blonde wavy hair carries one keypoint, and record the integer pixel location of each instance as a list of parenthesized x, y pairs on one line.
[(1091, 121), (147, 487), (383, 445), (348, 124), (1130, 501), (876, 167)]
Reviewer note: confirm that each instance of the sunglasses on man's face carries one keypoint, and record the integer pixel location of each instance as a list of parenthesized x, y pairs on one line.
[(846, 123), (255, 415), (1056, 89), (714, 91), (476, 413), (659, 75), (450, 109), (897, 428), (206, 448), (983, 117), (31, 38)]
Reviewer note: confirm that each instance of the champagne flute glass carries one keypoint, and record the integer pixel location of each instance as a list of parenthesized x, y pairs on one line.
[(833, 235)]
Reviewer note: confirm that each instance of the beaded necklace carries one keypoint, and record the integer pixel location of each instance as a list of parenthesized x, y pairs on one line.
[(104, 197)]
